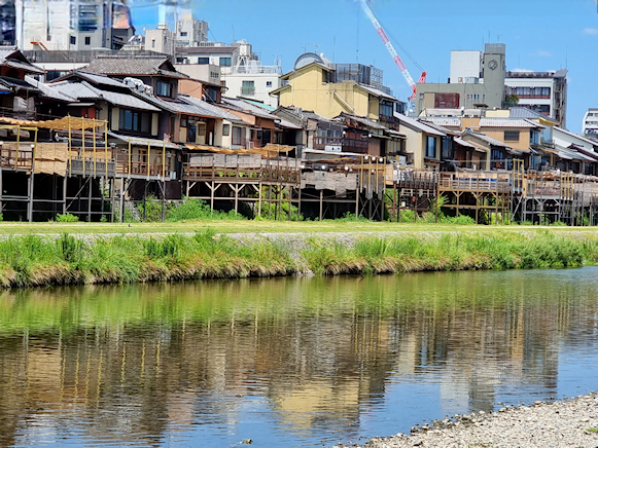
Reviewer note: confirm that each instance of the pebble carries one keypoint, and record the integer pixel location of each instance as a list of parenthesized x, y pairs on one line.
[(561, 424)]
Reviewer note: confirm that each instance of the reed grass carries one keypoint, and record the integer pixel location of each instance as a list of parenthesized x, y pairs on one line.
[(33, 260)]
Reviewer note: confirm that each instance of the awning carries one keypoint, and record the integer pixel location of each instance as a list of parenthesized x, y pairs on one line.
[(65, 123), (145, 142)]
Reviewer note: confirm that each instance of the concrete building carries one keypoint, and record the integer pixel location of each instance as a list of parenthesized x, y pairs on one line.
[(481, 80), (590, 124), (544, 92), (72, 24), (234, 66), (477, 81)]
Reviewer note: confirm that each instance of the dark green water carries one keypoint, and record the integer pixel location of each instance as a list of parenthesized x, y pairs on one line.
[(288, 362)]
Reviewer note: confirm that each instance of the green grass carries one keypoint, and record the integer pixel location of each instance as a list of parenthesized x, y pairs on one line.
[(64, 259), (249, 226), (592, 430)]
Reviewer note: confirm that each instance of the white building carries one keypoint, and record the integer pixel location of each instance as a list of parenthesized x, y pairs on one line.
[(544, 92), (241, 72), (465, 64), (72, 24), (590, 124)]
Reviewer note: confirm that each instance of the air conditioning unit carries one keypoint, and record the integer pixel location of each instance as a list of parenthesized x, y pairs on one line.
[(333, 148)]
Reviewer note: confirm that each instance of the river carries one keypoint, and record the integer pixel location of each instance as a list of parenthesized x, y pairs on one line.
[(288, 362)]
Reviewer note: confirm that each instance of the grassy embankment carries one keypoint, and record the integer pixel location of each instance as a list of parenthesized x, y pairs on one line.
[(35, 260)]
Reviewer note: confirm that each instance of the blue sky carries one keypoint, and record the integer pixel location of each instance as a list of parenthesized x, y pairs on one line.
[(540, 35)]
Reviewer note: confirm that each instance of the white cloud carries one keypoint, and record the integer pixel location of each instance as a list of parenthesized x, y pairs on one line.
[(543, 53), (590, 31)]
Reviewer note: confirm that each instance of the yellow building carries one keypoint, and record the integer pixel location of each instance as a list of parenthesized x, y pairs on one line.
[(314, 87)]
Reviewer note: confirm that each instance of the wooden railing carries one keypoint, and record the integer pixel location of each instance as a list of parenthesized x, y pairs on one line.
[(16, 157), (273, 174), (454, 181), (140, 164)]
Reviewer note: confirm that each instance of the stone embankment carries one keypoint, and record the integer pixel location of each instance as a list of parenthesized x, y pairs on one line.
[(569, 423)]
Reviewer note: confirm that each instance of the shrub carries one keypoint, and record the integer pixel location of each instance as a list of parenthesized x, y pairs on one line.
[(66, 218)]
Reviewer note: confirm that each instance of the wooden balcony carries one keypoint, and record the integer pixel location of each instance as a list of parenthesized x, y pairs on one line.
[(141, 165), (352, 145)]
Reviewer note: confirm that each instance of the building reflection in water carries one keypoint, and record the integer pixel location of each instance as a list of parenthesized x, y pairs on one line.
[(139, 365)]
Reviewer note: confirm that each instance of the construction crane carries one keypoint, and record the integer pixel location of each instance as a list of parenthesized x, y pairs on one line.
[(396, 58)]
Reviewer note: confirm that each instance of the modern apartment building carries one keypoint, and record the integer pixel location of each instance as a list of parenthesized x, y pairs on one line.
[(590, 124), (72, 24), (238, 67), (544, 92)]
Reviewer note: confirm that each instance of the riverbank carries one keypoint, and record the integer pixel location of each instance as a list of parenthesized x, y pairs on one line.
[(67, 259), (571, 423)]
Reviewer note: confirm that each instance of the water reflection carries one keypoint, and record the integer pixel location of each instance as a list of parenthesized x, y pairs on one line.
[(287, 362)]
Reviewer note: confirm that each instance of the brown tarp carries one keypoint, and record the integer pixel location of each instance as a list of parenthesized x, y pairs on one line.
[(66, 123)]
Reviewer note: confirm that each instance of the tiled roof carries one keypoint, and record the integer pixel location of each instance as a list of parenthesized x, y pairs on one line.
[(193, 106), (417, 125), (247, 107), (508, 122), (376, 92), (443, 121), (83, 90), (133, 67), (48, 92)]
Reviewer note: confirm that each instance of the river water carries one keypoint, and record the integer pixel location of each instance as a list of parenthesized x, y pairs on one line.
[(288, 362)]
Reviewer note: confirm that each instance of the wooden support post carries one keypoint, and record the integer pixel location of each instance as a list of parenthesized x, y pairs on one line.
[(237, 189), (122, 190), (30, 206), (437, 197), (89, 203), (0, 190), (396, 204), (358, 184), (321, 195), (415, 206), (260, 195), (163, 187), (144, 200)]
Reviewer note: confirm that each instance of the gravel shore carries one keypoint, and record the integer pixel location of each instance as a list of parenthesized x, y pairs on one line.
[(571, 423)]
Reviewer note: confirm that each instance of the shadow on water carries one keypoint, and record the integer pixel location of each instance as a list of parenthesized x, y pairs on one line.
[(287, 361)]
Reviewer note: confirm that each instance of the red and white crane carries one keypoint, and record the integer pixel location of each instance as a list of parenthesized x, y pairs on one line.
[(396, 58)]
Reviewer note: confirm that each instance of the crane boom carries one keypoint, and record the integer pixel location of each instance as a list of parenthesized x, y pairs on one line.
[(396, 58)]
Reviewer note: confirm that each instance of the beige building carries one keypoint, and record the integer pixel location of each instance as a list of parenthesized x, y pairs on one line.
[(316, 86)]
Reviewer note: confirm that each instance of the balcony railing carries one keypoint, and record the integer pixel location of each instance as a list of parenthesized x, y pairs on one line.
[(390, 122), (353, 145)]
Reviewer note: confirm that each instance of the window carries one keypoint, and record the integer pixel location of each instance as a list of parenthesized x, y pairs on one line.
[(153, 43), (511, 136), (237, 136), (135, 121), (386, 108), (164, 89), (269, 84), (248, 87), (447, 147), (183, 34), (431, 147), (191, 131), (225, 61), (72, 40), (225, 130), (203, 60), (87, 40)]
